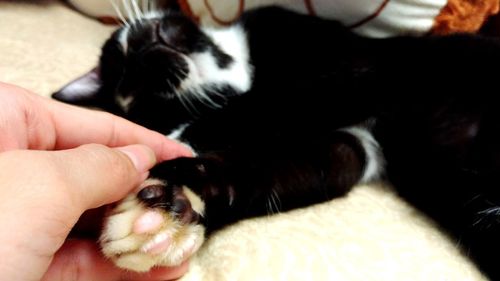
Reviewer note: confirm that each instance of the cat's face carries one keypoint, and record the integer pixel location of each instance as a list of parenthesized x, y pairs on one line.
[(163, 57)]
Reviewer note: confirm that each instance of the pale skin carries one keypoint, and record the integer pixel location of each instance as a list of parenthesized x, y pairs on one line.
[(56, 162)]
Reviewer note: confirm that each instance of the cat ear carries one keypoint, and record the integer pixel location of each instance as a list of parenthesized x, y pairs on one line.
[(81, 90)]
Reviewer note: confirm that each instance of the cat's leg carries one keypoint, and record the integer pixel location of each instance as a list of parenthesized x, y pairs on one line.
[(190, 196), (164, 222)]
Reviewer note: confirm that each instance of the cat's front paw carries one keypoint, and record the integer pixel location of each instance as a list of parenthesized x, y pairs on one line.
[(159, 226)]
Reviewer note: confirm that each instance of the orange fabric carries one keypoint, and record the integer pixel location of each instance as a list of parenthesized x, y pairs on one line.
[(464, 15)]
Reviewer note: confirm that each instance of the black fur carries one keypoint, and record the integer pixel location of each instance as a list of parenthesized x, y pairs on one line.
[(427, 101)]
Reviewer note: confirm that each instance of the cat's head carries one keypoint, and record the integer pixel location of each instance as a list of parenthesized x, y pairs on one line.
[(164, 58)]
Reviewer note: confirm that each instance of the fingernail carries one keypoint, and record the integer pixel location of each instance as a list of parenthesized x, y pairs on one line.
[(141, 156)]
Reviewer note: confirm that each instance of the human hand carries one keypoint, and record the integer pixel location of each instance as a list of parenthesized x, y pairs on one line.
[(44, 192)]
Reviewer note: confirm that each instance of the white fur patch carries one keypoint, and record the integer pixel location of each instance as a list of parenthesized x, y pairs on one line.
[(151, 15), (232, 41), (123, 38), (374, 160), (196, 202), (124, 102), (176, 134), (204, 71)]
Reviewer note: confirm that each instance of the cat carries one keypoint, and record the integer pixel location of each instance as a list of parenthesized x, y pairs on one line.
[(285, 110)]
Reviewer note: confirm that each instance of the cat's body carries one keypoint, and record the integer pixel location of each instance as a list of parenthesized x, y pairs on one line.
[(284, 111)]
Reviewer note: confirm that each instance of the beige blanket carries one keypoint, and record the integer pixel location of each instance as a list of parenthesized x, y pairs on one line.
[(368, 235)]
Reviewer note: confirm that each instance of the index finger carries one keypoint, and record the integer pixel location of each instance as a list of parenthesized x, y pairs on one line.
[(75, 126)]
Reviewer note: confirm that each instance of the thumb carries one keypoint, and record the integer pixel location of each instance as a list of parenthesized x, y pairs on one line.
[(56, 187), (96, 175)]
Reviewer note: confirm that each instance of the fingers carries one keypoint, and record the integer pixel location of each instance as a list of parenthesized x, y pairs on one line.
[(75, 126), (30, 121), (80, 260), (56, 187), (45, 192)]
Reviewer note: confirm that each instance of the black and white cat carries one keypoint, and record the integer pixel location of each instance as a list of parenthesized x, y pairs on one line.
[(285, 110)]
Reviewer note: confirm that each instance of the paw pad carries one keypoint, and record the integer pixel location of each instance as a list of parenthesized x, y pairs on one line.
[(157, 227)]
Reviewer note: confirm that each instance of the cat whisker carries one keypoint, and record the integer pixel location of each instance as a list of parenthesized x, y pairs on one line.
[(197, 94), (206, 101), (458, 244), (478, 221), (220, 95), (154, 6), (183, 72), (268, 207), (119, 13), (128, 10), (188, 105), (276, 200), (490, 215), (490, 211), (177, 75), (273, 201), (144, 6), (170, 84), (137, 11), (182, 99), (473, 199)]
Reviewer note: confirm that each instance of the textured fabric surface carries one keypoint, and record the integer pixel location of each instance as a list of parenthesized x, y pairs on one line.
[(368, 235), (376, 18), (44, 44), (465, 15)]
